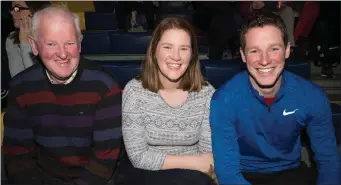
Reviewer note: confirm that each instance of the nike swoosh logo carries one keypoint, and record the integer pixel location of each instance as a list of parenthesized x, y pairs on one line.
[(288, 113)]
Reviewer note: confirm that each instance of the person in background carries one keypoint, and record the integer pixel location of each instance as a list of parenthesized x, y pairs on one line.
[(63, 119), (165, 112), (326, 38), (223, 28), (308, 15), (17, 47), (257, 117), (132, 13), (283, 8)]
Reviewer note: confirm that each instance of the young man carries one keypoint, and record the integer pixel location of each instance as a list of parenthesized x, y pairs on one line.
[(257, 117), (63, 120)]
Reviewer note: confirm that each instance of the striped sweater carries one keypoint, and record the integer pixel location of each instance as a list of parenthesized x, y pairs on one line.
[(71, 132)]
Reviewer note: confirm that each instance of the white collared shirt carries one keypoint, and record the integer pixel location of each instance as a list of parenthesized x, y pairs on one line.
[(67, 81)]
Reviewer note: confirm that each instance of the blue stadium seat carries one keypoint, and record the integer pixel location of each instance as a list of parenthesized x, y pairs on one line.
[(96, 43), (217, 72), (301, 68), (336, 111), (100, 21), (123, 71), (130, 43)]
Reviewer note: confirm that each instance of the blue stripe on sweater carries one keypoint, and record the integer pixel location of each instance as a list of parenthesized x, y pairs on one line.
[(18, 133), (31, 75), (94, 75), (62, 141), (109, 112), (108, 134)]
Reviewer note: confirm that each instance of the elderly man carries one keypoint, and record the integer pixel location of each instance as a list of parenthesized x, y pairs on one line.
[(63, 121)]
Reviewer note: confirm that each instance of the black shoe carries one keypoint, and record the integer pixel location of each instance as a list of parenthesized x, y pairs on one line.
[(327, 72)]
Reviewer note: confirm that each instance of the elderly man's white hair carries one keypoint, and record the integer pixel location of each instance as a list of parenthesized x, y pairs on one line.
[(53, 9)]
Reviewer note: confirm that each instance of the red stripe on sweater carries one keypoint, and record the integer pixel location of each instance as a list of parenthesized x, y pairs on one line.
[(36, 98), (74, 160), (108, 154), (49, 97), (79, 98), (17, 150), (114, 90)]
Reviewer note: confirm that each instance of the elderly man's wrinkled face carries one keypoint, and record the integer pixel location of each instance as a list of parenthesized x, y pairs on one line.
[(57, 43)]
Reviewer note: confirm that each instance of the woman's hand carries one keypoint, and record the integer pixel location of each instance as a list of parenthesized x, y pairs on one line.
[(204, 163), (25, 29)]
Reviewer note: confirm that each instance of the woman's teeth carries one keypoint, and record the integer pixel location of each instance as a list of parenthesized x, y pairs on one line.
[(173, 66)]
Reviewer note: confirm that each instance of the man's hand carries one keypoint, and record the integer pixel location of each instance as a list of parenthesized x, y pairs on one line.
[(133, 21)]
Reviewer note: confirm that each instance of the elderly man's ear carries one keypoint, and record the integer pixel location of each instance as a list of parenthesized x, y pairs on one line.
[(33, 46)]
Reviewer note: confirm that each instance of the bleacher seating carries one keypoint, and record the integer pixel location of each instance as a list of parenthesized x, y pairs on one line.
[(96, 42), (130, 43), (300, 68), (117, 42), (218, 72), (122, 71)]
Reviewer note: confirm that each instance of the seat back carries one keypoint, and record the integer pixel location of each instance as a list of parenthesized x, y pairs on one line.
[(301, 68), (130, 43), (217, 72), (96, 42), (123, 71)]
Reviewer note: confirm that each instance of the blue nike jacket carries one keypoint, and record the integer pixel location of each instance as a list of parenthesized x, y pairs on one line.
[(249, 136)]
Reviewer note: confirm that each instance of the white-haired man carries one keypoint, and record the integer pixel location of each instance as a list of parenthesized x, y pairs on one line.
[(63, 121)]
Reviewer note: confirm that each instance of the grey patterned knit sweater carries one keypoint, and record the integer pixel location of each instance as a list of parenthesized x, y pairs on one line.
[(152, 129)]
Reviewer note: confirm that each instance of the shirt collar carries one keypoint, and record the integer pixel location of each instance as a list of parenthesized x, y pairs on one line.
[(278, 95), (67, 81)]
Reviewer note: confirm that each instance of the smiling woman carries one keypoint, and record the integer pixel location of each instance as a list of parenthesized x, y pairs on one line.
[(165, 121), (174, 41), (17, 46)]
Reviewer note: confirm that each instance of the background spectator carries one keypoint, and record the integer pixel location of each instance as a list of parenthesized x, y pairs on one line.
[(17, 46)]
